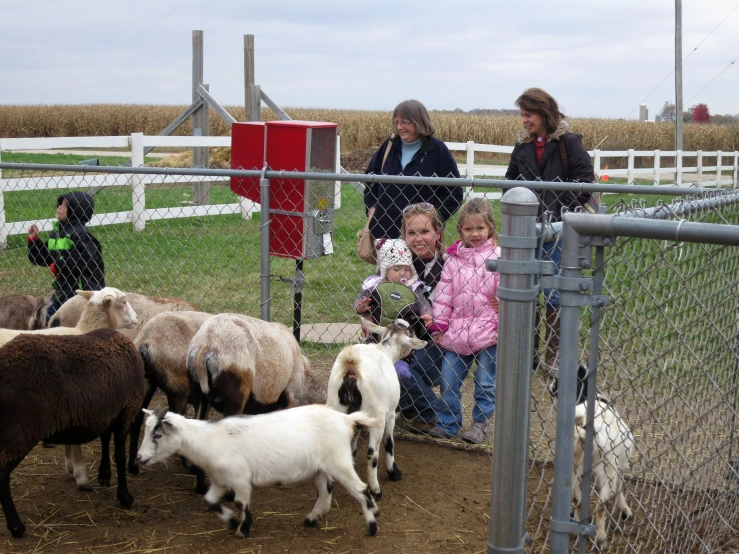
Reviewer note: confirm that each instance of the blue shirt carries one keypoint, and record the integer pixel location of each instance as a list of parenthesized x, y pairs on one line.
[(408, 151)]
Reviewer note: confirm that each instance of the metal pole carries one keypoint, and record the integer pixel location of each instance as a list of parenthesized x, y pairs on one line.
[(517, 294), (678, 75), (564, 447), (298, 301), (265, 300)]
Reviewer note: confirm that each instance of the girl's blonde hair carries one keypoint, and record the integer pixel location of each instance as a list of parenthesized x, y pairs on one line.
[(424, 208), (482, 207)]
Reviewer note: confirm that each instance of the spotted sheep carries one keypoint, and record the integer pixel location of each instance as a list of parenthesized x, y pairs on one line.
[(363, 378), (241, 452)]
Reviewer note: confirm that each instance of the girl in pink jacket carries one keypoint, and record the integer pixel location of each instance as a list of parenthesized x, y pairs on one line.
[(465, 322)]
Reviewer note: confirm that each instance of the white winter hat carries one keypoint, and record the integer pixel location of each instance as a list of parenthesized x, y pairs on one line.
[(392, 252)]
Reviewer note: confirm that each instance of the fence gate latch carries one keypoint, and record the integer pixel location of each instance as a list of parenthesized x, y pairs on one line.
[(573, 527)]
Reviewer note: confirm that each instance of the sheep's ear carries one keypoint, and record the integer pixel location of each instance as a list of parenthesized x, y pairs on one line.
[(168, 425), (417, 344), (108, 300), (372, 327), (86, 294)]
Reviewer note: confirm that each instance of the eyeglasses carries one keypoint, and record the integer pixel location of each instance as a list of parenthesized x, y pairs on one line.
[(421, 206), (403, 122)]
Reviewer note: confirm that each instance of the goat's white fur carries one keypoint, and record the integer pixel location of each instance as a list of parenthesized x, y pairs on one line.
[(373, 365), (107, 308), (613, 447), (238, 453)]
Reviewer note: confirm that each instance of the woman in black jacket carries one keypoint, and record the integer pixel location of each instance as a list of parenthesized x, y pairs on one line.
[(546, 150), (411, 151)]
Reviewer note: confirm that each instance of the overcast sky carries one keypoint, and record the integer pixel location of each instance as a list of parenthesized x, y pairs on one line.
[(598, 59)]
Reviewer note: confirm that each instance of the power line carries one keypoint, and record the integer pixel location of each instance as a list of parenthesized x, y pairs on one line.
[(712, 80), (685, 58)]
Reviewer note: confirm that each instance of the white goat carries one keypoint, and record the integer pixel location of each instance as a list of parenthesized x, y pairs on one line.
[(288, 446), (363, 378), (613, 447), (107, 308)]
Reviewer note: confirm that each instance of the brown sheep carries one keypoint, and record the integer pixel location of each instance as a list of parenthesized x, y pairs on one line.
[(23, 312), (67, 389)]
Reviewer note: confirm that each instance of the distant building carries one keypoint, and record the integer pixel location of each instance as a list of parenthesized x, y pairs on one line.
[(643, 112)]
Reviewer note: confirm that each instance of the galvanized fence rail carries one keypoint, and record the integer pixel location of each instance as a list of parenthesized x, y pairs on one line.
[(665, 350)]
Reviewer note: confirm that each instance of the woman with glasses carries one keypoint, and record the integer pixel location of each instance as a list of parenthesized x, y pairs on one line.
[(411, 150)]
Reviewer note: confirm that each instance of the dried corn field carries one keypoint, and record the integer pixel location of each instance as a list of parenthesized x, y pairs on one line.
[(359, 129)]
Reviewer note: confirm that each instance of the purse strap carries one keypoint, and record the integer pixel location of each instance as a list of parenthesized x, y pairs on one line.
[(387, 150), (563, 155)]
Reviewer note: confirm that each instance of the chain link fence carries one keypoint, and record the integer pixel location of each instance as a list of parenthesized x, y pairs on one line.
[(668, 338)]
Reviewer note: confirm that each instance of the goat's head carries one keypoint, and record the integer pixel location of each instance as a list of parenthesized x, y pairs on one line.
[(161, 437), (398, 337), (582, 373), (114, 302)]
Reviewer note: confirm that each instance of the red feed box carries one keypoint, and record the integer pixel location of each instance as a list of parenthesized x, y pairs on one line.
[(247, 152)]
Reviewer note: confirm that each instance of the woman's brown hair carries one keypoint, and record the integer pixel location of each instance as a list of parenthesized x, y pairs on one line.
[(540, 102)]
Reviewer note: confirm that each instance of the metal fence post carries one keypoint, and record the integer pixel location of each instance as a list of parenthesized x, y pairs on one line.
[(569, 315), (517, 294), (264, 221)]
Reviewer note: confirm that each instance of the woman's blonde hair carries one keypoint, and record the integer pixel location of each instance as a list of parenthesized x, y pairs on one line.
[(430, 211), (482, 207)]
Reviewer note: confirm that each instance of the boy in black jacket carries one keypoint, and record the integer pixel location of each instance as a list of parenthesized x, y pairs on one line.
[(73, 255)]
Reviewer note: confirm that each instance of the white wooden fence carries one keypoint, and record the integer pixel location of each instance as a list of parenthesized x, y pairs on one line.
[(725, 175)]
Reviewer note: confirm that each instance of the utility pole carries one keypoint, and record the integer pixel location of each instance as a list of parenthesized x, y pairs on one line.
[(678, 75)]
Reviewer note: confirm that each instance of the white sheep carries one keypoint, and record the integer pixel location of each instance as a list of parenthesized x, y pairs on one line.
[(239, 453), (107, 308), (67, 390), (613, 446), (363, 378), (146, 307)]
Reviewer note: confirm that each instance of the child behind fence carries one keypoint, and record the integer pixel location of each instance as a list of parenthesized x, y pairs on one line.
[(465, 322)]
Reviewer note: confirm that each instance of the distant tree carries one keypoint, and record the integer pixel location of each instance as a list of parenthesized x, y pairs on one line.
[(701, 114), (668, 112)]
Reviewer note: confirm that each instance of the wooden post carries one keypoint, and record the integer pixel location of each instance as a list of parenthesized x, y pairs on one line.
[(657, 155), (138, 189), (719, 164), (255, 103), (200, 121), (3, 228), (248, 75), (736, 168), (470, 165), (679, 168), (699, 165), (630, 168)]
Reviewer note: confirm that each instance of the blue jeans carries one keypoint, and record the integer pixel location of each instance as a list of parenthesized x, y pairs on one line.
[(417, 397), (454, 370), (552, 251)]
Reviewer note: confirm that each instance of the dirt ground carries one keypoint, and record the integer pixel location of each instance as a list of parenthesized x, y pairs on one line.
[(441, 505)]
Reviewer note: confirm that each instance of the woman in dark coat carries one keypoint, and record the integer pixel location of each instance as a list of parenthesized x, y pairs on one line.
[(538, 156), (411, 151)]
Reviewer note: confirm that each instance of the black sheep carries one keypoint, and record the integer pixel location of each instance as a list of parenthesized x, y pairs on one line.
[(67, 389)]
